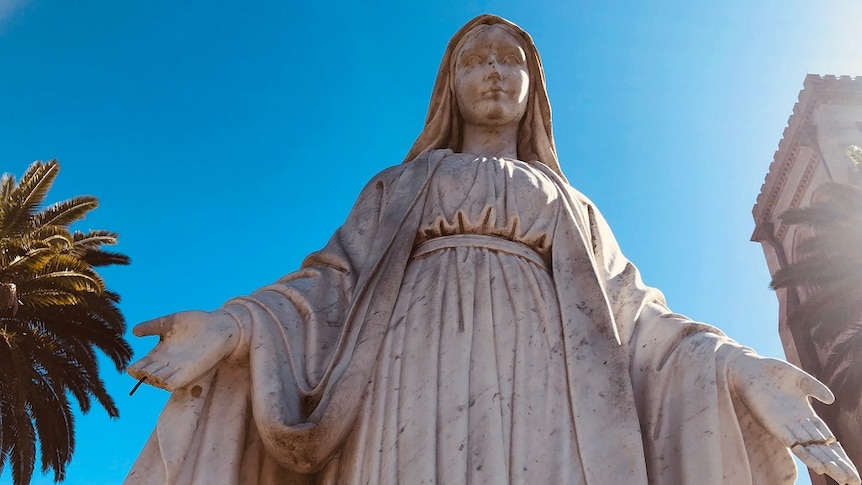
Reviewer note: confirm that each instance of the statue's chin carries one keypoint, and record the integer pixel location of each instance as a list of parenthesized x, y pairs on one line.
[(496, 111)]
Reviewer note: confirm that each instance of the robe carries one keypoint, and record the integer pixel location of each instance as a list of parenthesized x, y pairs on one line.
[(646, 391)]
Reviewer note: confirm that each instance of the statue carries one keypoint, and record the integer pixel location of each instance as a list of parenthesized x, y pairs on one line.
[(472, 321)]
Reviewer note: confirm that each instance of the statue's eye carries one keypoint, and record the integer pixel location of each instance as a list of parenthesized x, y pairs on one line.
[(472, 61), (512, 60)]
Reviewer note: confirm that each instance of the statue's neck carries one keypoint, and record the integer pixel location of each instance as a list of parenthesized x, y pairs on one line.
[(491, 141)]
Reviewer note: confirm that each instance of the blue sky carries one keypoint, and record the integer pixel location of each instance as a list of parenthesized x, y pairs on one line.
[(225, 142)]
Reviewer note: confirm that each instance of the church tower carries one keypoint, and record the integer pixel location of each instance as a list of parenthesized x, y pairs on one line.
[(826, 122)]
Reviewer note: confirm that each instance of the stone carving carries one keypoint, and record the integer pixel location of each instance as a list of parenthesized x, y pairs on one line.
[(473, 321)]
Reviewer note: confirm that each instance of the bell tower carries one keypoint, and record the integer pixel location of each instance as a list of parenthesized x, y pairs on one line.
[(826, 122)]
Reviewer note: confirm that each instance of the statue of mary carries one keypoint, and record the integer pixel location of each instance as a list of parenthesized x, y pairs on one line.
[(473, 321)]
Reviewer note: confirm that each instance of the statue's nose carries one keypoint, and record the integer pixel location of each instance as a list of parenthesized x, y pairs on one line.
[(495, 71)]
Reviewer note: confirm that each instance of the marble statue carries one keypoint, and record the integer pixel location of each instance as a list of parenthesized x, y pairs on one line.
[(472, 321)]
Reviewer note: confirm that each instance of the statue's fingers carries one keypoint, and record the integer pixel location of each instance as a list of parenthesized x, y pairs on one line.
[(174, 379), (849, 470), (845, 473), (810, 459), (829, 460), (148, 370), (135, 370), (158, 369), (817, 430), (152, 370), (169, 373), (798, 433), (840, 470), (838, 450), (157, 382), (136, 373), (156, 326), (816, 389), (156, 373), (822, 427)]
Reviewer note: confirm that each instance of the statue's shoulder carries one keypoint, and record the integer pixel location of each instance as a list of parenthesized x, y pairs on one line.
[(407, 174), (388, 175), (574, 195), (416, 167), (578, 197)]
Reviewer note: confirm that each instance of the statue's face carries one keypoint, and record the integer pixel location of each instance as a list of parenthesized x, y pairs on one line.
[(491, 78)]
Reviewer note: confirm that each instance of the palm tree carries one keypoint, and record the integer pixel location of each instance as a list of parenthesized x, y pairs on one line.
[(828, 272), (55, 311)]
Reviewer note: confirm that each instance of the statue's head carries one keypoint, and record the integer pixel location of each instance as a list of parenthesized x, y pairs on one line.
[(452, 101), (490, 77)]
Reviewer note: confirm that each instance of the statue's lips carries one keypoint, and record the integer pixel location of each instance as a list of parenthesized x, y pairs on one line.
[(494, 93)]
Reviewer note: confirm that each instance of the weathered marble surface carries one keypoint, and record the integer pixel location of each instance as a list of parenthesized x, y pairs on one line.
[(472, 321)]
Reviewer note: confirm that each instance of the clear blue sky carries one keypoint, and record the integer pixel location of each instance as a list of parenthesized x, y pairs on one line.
[(226, 141)]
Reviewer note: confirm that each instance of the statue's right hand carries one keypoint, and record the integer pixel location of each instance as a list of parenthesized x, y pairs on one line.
[(190, 344)]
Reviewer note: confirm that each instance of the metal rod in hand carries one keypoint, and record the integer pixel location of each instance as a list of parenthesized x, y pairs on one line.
[(137, 385)]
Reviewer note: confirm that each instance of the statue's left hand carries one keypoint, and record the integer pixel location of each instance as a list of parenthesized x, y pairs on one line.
[(777, 395)]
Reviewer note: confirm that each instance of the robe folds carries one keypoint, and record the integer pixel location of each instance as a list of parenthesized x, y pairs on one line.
[(647, 390)]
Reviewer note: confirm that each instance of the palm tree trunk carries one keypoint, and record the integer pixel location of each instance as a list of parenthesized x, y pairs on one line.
[(8, 299)]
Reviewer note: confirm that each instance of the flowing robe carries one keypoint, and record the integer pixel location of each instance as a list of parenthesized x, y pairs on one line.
[(640, 394)]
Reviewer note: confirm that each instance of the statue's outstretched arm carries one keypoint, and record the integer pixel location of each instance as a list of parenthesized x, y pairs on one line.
[(193, 342), (775, 393)]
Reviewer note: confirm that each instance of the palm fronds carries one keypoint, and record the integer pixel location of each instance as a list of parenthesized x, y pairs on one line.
[(828, 271), (55, 312)]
